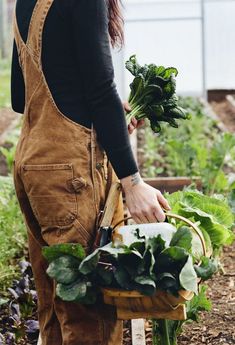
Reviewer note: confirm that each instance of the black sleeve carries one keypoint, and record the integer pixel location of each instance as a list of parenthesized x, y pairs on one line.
[(93, 53), (17, 84)]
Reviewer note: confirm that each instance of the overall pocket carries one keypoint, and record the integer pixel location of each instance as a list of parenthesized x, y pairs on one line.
[(53, 200)]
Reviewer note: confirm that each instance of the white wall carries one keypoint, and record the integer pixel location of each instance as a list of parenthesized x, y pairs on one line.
[(178, 42)]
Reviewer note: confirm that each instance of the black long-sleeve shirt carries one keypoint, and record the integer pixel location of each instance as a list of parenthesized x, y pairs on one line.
[(77, 64)]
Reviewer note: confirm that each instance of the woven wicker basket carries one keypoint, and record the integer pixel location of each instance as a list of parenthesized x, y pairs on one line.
[(134, 305)]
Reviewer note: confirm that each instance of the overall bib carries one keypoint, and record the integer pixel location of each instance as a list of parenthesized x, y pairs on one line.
[(60, 177)]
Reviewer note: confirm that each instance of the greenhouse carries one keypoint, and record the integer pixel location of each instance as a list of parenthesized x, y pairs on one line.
[(117, 172)]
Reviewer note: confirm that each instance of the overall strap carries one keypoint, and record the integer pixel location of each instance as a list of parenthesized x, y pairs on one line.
[(34, 40)]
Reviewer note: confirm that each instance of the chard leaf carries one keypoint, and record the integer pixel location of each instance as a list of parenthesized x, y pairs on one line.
[(145, 285), (188, 276), (182, 238), (156, 245), (72, 292), (207, 268), (53, 252), (171, 260), (123, 278), (166, 281), (105, 275), (131, 261), (114, 251), (90, 263), (148, 263), (64, 269), (90, 297)]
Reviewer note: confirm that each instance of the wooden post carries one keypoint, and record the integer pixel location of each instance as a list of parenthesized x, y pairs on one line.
[(3, 28)]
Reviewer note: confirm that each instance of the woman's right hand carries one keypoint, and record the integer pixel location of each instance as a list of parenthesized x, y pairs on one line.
[(144, 202)]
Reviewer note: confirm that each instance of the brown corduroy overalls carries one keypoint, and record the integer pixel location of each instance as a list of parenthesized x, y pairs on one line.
[(60, 176)]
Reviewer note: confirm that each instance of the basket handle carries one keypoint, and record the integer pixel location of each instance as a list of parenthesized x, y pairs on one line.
[(185, 220)]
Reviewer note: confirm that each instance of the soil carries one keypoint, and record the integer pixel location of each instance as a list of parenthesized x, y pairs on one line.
[(216, 327), (226, 113), (7, 116)]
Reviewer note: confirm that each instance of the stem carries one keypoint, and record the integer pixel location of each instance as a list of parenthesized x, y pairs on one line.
[(137, 112), (165, 332), (161, 333)]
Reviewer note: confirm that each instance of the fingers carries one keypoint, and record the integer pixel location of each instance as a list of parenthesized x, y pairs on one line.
[(149, 215), (135, 124), (140, 123), (131, 128), (159, 214), (132, 125), (126, 106), (163, 202)]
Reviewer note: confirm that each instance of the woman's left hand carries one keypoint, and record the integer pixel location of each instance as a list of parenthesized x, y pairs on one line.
[(134, 124)]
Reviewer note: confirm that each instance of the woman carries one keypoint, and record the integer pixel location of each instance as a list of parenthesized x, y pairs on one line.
[(62, 80)]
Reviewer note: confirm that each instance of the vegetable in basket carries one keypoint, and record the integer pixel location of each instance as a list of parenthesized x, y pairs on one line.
[(153, 95), (166, 256)]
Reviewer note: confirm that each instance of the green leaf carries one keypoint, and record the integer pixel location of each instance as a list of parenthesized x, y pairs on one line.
[(231, 199), (72, 292), (167, 73), (3, 301), (207, 268), (90, 297), (156, 245), (171, 260), (188, 276), (166, 281), (55, 251), (213, 214), (90, 263), (198, 303), (123, 278), (105, 275), (131, 261), (114, 249), (64, 269), (182, 238), (145, 285)]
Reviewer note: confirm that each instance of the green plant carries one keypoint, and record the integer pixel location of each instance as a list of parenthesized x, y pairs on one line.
[(5, 83), (153, 95), (9, 151), (12, 232), (198, 148)]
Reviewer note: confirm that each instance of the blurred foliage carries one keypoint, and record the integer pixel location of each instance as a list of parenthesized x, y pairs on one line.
[(196, 148), (4, 83)]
